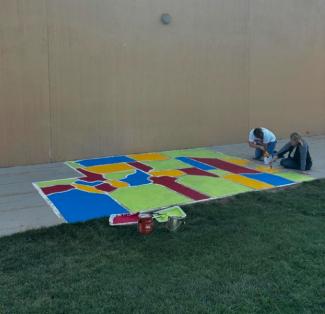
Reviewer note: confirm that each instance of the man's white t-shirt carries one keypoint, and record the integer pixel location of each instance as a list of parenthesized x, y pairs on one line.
[(269, 136)]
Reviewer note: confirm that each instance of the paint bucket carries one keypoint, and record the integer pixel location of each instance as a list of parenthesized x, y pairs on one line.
[(174, 223), (267, 160), (145, 224)]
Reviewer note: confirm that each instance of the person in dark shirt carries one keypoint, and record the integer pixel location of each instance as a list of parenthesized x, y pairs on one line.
[(298, 154)]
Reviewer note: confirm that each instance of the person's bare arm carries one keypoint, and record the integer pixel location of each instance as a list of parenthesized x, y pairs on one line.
[(254, 145), (274, 159), (280, 154)]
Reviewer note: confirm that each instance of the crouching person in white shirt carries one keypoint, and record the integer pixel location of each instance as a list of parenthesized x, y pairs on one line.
[(264, 142)]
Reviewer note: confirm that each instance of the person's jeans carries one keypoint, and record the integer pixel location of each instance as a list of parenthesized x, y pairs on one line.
[(270, 149), (290, 163)]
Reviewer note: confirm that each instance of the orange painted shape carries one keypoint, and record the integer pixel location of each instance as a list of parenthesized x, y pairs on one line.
[(104, 169), (169, 173), (118, 184), (149, 157), (239, 162), (267, 169), (253, 184), (87, 188)]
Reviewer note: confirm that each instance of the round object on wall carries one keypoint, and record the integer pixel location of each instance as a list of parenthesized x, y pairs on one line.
[(166, 18)]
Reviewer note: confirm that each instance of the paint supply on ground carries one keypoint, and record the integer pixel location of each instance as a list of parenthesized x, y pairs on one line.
[(124, 219), (145, 224), (174, 223), (163, 215), (267, 158)]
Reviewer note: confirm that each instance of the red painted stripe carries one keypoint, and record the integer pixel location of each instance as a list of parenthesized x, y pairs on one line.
[(171, 183), (140, 166), (105, 187), (90, 176), (198, 172), (56, 188), (224, 165)]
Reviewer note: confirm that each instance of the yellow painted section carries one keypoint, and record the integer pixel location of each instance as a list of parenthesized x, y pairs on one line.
[(254, 184), (118, 184), (267, 169), (87, 188), (239, 162), (170, 173), (148, 157), (103, 169)]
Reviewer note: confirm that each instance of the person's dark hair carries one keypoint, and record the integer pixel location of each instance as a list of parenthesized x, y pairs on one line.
[(258, 132)]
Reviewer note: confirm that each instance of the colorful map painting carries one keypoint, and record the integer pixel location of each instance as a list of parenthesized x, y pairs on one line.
[(146, 182)]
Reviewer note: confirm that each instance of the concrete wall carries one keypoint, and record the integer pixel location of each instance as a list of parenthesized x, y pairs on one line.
[(287, 65), (83, 78)]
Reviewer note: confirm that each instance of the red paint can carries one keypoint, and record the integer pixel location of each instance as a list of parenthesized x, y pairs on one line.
[(145, 224)]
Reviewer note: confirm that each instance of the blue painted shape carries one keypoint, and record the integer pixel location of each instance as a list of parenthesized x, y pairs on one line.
[(77, 206), (104, 161), (137, 178), (89, 183), (194, 163), (269, 178)]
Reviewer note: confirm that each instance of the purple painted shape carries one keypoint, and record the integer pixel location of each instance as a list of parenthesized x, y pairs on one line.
[(227, 166), (57, 188), (198, 172), (106, 187), (90, 176), (171, 183), (140, 166)]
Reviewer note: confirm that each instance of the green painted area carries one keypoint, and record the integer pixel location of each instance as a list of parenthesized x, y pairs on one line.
[(44, 184), (199, 152), (227, 157), (220, 172), (73, 164), (224, 156), (214, 187), (147, 197), (166, 164), (154, 196), (196, 152), (118, 175), (294, 176)]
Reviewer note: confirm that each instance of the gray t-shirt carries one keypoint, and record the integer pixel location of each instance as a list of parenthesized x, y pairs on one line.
[(303, 151)]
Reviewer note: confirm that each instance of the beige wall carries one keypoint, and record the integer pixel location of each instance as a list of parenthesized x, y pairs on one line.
[(24, 87), (83, 78), (287, 65)]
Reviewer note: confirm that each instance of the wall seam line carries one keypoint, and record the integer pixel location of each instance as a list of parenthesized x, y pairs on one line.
[(249, 63), (49, 84)]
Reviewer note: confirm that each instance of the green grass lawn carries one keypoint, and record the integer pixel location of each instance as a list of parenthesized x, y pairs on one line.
[(258, 253)]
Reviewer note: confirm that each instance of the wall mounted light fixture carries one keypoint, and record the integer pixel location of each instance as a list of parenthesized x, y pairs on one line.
[(166, 18)]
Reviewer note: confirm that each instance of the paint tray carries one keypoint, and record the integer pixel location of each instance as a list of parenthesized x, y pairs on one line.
[(124, 219), (175, 211)]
